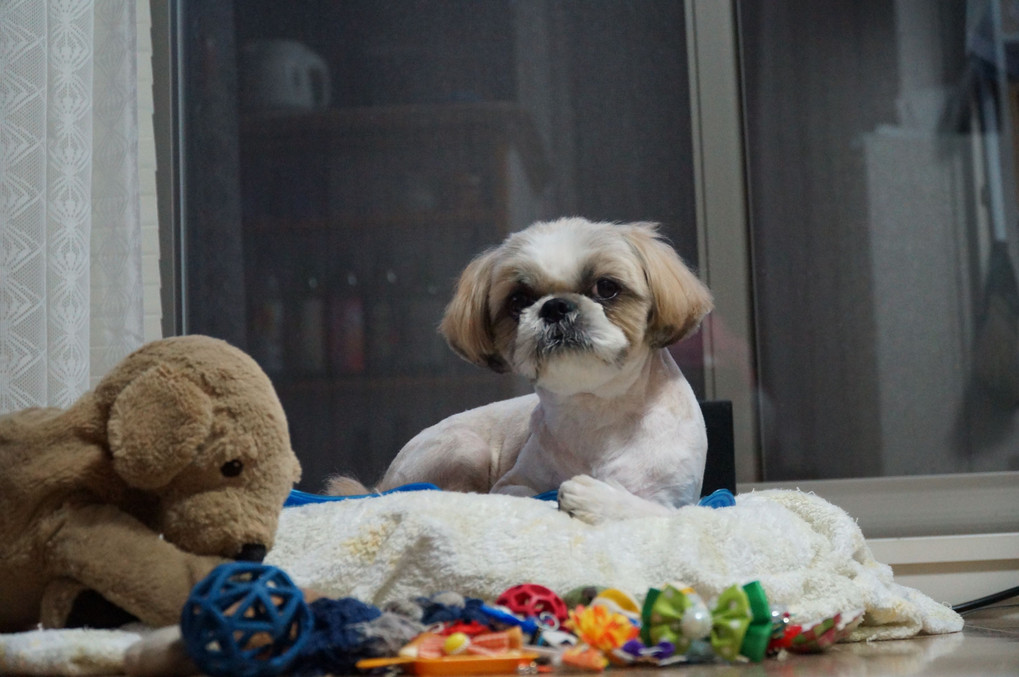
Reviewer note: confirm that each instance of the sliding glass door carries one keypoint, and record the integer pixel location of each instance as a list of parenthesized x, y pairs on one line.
[(343, 161)]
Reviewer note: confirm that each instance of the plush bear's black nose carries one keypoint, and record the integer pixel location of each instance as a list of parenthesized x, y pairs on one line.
[(554, 310), (251, 552)]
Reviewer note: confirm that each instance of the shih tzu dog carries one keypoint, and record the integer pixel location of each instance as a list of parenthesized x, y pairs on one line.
[(584, 311)]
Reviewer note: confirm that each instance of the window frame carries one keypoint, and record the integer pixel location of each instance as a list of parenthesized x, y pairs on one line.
[(885, 507)]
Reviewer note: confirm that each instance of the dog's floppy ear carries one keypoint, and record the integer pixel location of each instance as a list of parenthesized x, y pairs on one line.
[(679, 300), (156, 424), (466, 324)]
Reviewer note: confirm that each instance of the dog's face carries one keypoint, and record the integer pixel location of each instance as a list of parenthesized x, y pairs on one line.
[(568, 304)]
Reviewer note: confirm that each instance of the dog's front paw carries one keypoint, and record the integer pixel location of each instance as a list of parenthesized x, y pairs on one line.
[(584, 497), (594, 501)]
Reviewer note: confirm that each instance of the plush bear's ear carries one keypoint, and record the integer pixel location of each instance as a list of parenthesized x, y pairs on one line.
[(156, 424)]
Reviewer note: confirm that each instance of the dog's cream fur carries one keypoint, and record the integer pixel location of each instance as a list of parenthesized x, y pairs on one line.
[(584, 311)]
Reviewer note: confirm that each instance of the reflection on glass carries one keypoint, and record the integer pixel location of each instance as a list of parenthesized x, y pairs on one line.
[(881, 167), (345, 160)]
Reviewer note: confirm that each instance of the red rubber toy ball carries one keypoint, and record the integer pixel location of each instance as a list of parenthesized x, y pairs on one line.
[(531, 600)]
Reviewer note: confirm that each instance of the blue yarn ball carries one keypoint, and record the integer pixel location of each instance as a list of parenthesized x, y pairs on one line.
[(245, 619)]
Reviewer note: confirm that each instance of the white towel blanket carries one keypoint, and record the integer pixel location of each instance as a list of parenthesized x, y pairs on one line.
[(809, 555)]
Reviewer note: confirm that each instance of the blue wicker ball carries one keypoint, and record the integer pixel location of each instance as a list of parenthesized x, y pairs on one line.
[(245, 619)]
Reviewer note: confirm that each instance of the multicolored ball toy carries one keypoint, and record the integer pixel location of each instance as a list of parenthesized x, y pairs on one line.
[(246, 620)]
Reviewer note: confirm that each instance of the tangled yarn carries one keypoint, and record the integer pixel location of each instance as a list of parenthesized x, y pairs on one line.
[(347, 630), (435, 611), (442, 607)]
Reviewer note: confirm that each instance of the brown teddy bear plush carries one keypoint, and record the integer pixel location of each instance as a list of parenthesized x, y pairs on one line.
[(114, 508)]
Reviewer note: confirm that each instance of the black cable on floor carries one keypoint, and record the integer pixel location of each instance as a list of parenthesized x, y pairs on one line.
[(986, 601)]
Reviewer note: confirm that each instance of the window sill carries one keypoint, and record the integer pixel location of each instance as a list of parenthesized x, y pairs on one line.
[(922, 505), (952, 569)]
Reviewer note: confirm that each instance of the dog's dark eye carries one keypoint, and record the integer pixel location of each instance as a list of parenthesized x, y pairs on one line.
[(605, 289), (231, 468), (519, 301)]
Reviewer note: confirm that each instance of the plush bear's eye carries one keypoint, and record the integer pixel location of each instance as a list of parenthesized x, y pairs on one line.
[(231, 468)]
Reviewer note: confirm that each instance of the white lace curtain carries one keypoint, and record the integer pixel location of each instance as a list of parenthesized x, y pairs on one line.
[(70, 251)]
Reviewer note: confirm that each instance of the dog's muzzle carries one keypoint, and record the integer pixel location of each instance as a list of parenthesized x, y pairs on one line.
[(561, 327), (556, 310)]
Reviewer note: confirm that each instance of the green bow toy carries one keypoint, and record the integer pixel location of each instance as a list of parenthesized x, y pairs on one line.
[(663, 617), (740, 623)]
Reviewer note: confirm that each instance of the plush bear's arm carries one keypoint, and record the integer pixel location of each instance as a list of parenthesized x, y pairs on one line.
[(131, 566)]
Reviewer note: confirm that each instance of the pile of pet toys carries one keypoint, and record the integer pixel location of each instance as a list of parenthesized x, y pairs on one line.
[(250, 619)]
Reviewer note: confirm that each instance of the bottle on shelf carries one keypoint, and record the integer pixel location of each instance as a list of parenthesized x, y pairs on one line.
[(384, 323), (310, 356), (267, 327), (346, 325), (425, 348)]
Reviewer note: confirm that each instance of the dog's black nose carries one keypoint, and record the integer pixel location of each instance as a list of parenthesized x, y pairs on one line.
[(251, 552), (556, 309)]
